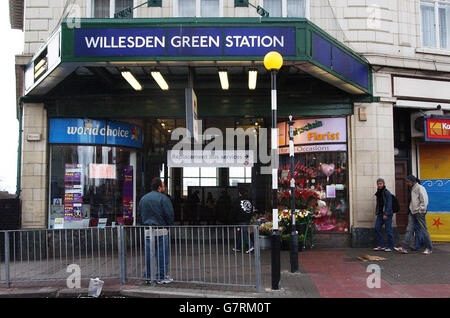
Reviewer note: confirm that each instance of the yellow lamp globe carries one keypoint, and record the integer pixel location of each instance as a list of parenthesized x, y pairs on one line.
[(273, 60)]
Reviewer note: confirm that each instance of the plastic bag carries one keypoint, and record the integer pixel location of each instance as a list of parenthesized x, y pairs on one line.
[(95, 287)]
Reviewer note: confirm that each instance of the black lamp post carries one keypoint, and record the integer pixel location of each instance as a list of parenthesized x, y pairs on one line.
[(273, 62)]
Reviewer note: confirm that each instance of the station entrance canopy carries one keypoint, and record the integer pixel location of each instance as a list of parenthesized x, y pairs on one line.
[(195, 41)]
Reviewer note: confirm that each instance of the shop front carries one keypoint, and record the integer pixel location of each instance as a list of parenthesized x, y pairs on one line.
[(422, 148), (434, 173), (93, 172), (320, 170), (111, 119)]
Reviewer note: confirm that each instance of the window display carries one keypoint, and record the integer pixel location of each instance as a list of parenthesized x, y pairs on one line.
[(320, 186), (92, 182), (320, 173)]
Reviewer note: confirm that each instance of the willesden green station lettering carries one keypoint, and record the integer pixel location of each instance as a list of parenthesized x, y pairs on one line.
[(195, 41)]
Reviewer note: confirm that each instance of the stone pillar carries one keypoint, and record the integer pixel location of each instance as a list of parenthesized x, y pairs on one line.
[(372, 156), (34, 178)]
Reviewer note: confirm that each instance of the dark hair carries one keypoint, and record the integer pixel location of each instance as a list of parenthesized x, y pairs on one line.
[(243, 192), (156, 183)]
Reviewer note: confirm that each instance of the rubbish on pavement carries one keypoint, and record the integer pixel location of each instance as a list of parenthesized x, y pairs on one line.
[(95, 287)]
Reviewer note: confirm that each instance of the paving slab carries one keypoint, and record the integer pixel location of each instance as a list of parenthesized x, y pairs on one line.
[(45, 292), (323, 273)]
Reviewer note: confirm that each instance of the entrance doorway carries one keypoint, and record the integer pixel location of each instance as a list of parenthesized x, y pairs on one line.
[(401, 192)]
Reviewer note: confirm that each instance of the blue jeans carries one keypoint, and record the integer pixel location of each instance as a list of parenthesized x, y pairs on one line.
[(161, 250), (242, 234), (417, 220), (419, 241), (378, 229)]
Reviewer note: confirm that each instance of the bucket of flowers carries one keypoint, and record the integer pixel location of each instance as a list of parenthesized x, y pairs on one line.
[(265, 234), (302, 218)]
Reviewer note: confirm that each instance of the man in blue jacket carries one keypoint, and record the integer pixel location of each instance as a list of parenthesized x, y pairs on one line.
[(384, 216), (156, 210)]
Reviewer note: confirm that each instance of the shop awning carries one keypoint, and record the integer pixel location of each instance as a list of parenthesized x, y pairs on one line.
[(195, 41)]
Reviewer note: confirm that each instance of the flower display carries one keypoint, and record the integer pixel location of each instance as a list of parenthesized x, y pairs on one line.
[(304, 199), (301, 217), (265, 228), (313, 192)]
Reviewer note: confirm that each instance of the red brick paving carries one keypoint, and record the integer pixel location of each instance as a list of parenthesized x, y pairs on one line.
[(336, 278)]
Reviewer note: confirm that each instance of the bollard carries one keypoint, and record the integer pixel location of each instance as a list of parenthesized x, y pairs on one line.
[(275, 253)]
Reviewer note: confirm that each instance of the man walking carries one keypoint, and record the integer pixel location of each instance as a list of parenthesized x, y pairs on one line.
[(243, 210), (156, 210), (418, 208), (384, 216)]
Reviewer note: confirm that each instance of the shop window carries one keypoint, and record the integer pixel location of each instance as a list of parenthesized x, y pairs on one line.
[(92, 182), (122, 4), (107, 8), (435, 24), (194, 176), (198, 8), (273, 7), (240, 175), (100, 8), (286, 8), (321, 185)]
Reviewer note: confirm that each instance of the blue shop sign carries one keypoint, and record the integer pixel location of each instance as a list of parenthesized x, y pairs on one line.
[(123, 134), (88, 131), (178, 42)]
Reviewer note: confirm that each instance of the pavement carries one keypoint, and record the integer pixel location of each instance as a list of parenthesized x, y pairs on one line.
[(323, 273)]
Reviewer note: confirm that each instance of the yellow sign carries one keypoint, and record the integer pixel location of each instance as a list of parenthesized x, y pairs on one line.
[(438, 225), (323, 137), (435, 169), (434, 161)]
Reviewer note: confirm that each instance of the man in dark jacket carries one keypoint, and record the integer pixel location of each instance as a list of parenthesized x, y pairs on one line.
[(384, 216), (156, 210), (243, 211)]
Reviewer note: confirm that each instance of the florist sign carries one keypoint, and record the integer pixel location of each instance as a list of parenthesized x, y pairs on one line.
[(315, 135)]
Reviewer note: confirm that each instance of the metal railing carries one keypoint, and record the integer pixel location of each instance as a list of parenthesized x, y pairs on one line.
[(189, 254)]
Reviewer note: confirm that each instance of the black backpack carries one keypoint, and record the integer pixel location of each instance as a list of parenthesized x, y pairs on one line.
[(395, 204)]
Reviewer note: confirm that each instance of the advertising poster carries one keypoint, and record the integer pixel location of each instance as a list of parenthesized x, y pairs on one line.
[(73, 172), (127, 202), (331, 191), (102, 171), (73, 192), (59, 223)]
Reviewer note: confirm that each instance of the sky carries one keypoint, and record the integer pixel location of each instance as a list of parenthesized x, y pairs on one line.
[(9, 125)]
